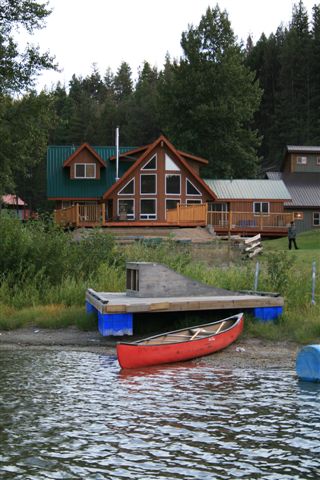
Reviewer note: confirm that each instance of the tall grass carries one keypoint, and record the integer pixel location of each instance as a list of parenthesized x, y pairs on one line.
[(44, 274)]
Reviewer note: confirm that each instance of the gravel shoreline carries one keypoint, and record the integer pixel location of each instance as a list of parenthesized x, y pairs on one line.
[(244, 353)]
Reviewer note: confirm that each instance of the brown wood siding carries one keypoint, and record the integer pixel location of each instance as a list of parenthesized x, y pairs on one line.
[(160, 196), (275, 206), (84, 157)]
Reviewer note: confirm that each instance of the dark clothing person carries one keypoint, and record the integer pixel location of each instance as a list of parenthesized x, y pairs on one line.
[(292, 233)]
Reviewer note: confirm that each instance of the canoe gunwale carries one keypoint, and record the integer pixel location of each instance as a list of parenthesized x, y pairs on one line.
[(141, 343)]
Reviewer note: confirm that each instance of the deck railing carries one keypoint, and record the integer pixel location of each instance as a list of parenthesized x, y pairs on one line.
[(246, 221), (188, 214), (196, 214), (80, 215)]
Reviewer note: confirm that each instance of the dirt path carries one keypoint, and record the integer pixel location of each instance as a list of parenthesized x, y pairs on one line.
[(245, 353)]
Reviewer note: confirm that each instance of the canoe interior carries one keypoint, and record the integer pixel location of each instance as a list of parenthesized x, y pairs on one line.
[(191, 333)]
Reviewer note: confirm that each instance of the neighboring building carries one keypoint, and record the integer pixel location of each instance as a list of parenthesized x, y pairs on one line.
[(249, 205), (158, 185), (300, 172), (16, 205)]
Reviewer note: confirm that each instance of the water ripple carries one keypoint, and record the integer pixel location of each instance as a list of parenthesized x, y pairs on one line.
[(73, 415)]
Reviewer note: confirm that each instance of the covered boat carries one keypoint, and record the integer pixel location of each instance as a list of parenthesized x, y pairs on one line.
[(180, 345)]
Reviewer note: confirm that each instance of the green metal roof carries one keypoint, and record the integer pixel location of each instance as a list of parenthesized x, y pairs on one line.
[(249, 189), (59, 184)]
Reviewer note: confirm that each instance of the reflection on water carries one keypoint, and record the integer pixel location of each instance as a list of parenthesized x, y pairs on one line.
[(73, 415)]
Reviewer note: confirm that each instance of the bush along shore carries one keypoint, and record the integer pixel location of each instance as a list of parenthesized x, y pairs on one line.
[(45, 274)]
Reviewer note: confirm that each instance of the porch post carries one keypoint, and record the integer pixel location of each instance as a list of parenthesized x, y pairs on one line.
[(77, 214), (103, 213)]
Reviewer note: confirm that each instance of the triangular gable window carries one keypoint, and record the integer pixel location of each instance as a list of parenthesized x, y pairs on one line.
[(152, 164), (170, 164), (128, 189), (191, 189)]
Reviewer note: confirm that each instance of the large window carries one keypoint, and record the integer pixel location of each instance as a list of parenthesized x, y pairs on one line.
[(128, 189), (191, 189), (85, 170), (173, 184), (126, 209), (148, 209), (316, 219), (171, 203), (148, 183), (261, 208), (151, 164)]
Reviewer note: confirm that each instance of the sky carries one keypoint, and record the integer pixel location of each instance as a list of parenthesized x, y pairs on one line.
[(81, 33)]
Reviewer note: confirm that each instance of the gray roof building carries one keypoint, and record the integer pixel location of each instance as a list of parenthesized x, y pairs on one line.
[(249, 189), (304, 188)]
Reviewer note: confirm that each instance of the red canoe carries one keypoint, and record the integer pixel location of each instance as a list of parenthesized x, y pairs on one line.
[(180, 345)]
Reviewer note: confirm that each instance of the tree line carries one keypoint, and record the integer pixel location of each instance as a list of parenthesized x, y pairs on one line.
[(236, 105)]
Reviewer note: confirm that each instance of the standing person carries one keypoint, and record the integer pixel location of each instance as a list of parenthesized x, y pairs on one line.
[(292, 233)]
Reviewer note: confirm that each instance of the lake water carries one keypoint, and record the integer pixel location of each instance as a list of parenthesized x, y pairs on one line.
[(75, 415)]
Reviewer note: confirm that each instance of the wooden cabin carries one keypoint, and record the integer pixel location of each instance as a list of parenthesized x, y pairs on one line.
[(161, 186)]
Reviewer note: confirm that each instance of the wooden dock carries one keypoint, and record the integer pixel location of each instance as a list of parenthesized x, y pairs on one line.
[(110, 303)]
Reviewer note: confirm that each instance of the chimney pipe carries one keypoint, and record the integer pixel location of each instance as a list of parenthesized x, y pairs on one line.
[(117, 154)]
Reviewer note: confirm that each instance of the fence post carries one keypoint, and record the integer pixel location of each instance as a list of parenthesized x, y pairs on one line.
[(256, 277), (313, 301)]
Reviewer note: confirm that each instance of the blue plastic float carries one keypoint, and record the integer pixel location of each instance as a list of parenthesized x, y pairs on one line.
[(308, 363)]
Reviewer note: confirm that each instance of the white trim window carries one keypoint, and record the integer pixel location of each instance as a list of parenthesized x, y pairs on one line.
[(193, 201), (302, 160), (316, 219), (148, 183), (191, 189), (151, 164), (261, 208), (125, 208), (171, 203), (170, 165), (148, 209), (173, 184), (128, 188), (84, 170)]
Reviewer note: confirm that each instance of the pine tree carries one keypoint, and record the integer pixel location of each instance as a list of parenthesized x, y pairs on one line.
[(209, 99)]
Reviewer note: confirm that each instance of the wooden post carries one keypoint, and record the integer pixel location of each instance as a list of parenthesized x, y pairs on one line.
[(178, 213), (103, 213), (77, 215), (230, 222)]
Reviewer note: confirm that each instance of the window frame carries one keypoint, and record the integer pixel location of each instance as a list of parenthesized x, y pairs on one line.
[(148, 216), (130, 216), (173, 175), (155, 183), (192, 194), (134, 188), (314, 214), (194, 201), (85, 171), (147, 163), (261, 212), (302, 160)]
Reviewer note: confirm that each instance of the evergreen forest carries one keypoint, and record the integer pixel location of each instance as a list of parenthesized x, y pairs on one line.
[(238, 105)]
